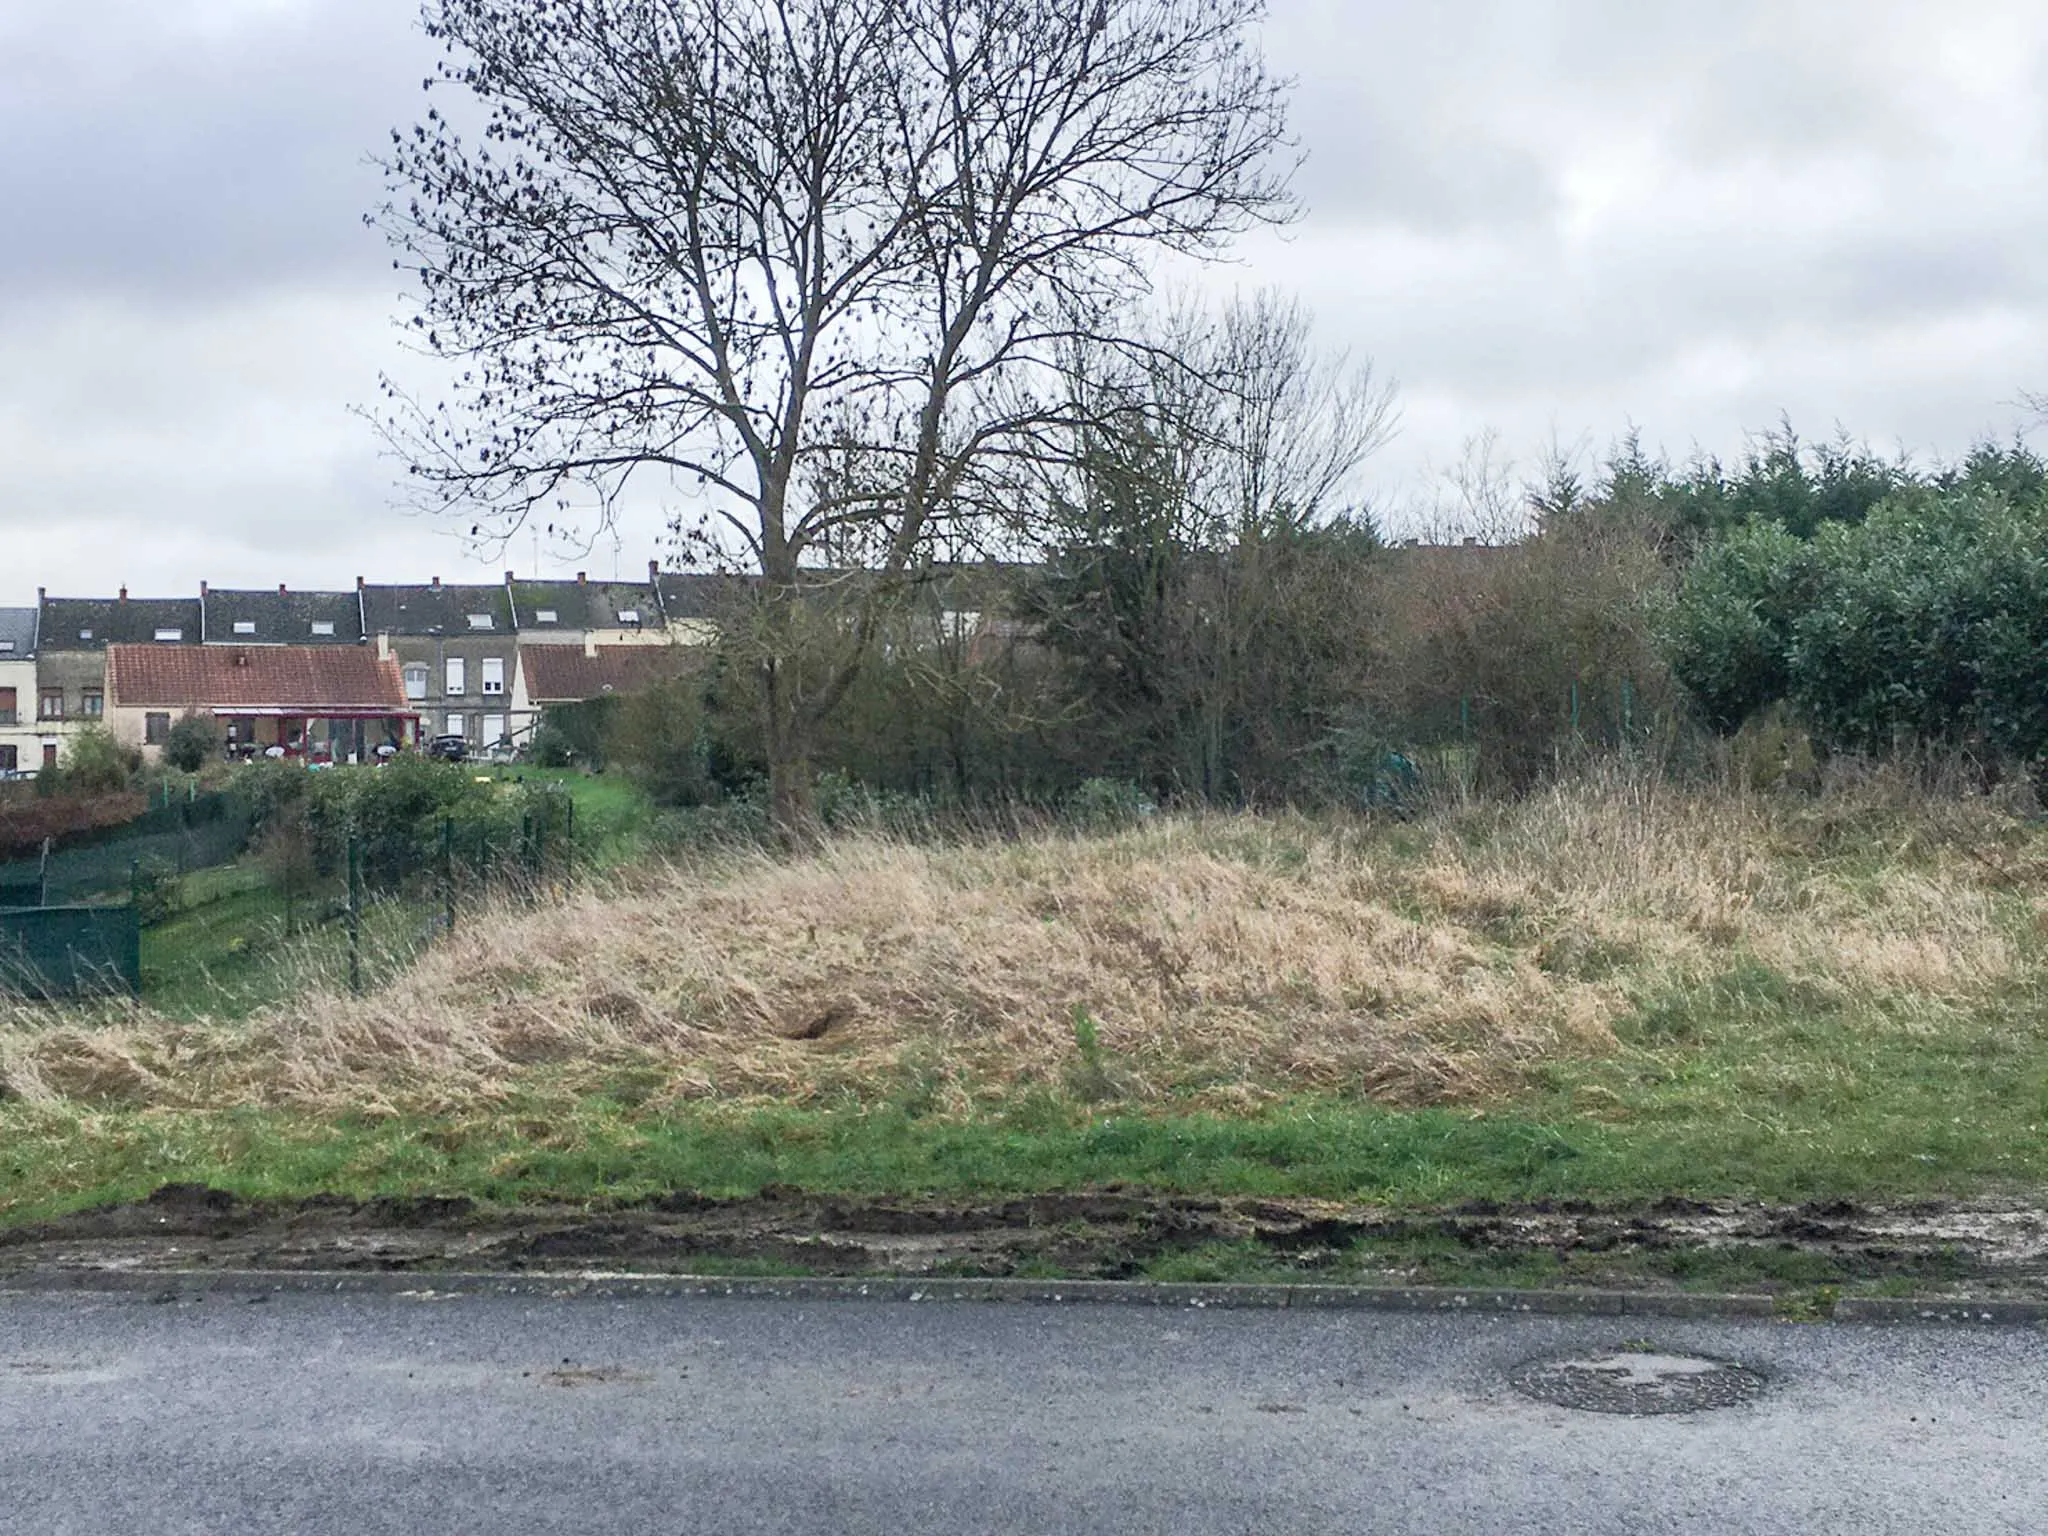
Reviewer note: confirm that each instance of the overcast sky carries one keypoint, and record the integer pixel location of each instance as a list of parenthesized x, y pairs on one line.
[(1551, 220)]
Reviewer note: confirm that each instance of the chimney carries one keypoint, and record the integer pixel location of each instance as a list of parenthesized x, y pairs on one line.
[(359, 583), (1470, 542), (582, 578), (124, 594), (509, 578), (202, 591), (437, 583), (653, 571), (280, 589)]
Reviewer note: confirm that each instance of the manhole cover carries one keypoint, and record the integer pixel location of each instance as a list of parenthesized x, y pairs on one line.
[(1638, 1381)]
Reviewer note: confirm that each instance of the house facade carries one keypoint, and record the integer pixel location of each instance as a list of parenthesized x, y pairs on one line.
[(72, 638), (457, 651), (21, 748), (325, 703)]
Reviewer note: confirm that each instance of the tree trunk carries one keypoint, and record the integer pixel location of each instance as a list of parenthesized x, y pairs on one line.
[(788, 736), (792, 798)]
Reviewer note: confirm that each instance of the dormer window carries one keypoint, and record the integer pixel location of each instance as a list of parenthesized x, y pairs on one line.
[(85, 634), (170, 636), (480, 621), (323, 626), (545, 616), (245, 626)]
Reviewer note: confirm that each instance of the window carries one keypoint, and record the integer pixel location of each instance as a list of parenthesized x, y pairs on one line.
[(323, 626), (455, 683), (8, 706), (92, 703), (49, 754), (629, 615), (415, 681), (454, 723), (494, 674), (545, 616), (85, 634), (10, 760), (480, 621), (245, 626), (6, 645), (494, 729), (170, 635), (50, 704), (156, 729)]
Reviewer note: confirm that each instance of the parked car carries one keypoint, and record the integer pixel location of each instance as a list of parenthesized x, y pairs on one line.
[(449, 749)]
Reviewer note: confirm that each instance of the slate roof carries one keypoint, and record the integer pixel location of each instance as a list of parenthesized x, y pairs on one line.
[(297, 677), (568, 674), (94, 623), (582, 605), (281, 617), (697, 595), (17, 634), (435, 609)]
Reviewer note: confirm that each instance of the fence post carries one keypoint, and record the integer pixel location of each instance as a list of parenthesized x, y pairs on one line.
[(1628, 708), (355, 917), (1575, 707), (448, 870)]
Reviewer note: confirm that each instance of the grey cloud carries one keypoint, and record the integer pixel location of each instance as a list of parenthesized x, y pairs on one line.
[(1542, 217), (147, 153)]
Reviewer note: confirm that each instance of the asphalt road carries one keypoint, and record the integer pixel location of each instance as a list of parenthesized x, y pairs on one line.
[(324, 1414)]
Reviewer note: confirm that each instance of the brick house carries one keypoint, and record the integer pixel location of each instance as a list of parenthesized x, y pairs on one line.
[(457, 651), (72, 637), (21, 746), (334, 703)]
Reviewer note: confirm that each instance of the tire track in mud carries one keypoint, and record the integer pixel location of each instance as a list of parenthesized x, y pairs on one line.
[(1111, 1234)]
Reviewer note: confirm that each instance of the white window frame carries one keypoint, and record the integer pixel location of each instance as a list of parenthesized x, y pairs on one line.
[(418, 678), (170, 636), (492, 684), (544, 616), (245, 626), (454, 677), (323, 626), (482, 621), (629, 615), (455, 723), (493, 730)]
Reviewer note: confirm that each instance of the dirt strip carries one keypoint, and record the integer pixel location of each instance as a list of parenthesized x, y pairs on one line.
[(1110, 1234)]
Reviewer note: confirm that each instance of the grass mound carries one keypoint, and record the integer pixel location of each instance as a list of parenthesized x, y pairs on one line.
[(1849, 986)]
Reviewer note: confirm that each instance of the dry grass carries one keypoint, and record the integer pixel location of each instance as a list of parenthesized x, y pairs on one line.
[(1222, 961)]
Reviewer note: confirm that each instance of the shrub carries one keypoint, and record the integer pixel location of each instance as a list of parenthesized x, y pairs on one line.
[(194, 741), (1103, 805), (96, 764), (1926, 623)]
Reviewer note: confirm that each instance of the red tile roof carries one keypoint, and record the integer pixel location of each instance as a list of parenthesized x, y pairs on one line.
[(308, 677), (566, 674)]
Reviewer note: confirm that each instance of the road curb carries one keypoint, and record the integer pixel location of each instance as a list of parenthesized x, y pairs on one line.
[(1884, 1309), (175, 1284)]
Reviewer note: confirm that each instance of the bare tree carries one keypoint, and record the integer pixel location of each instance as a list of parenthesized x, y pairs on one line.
[(817, 258), (1210, 540)]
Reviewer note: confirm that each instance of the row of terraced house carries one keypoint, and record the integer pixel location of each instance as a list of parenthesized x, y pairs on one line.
[(335, 675)]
